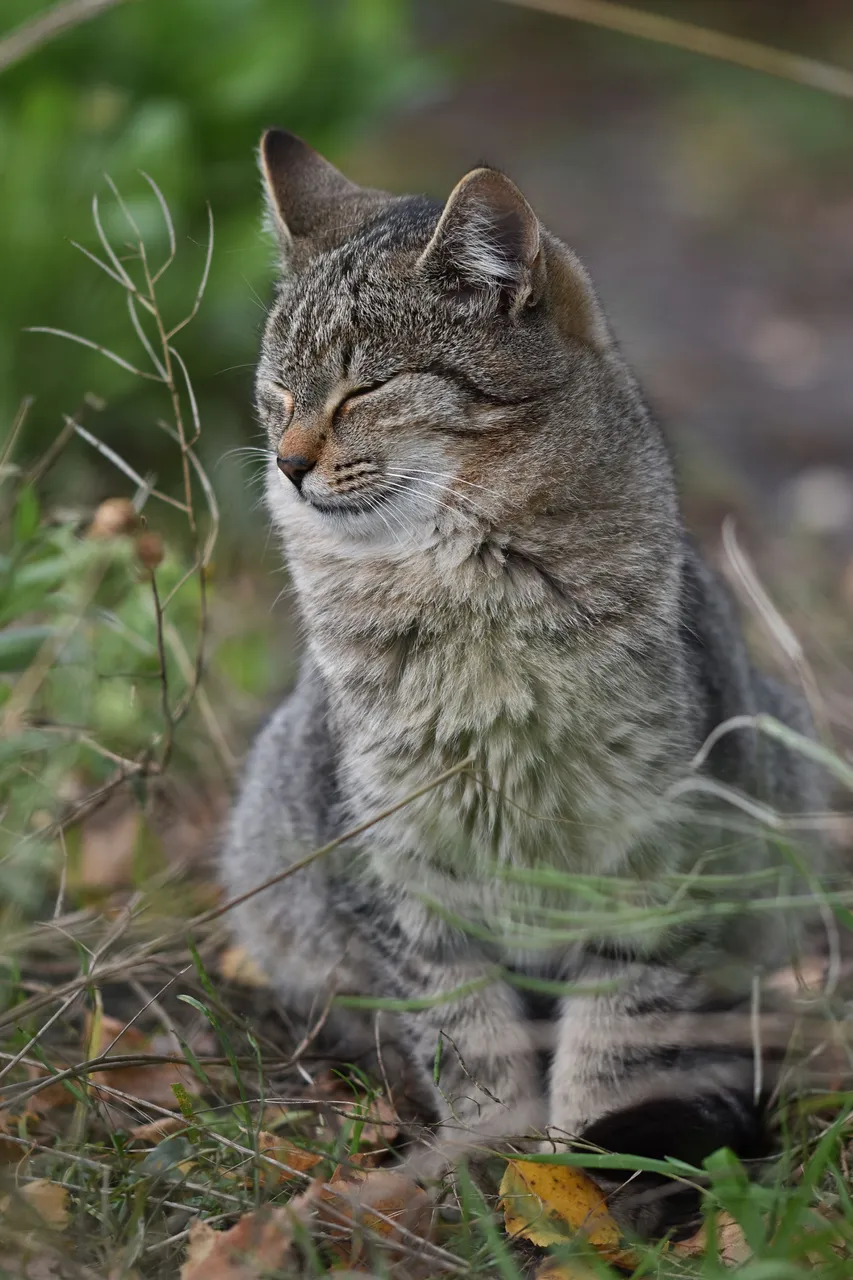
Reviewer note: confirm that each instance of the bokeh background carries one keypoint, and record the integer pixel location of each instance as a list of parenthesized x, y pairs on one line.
[(713, 205)]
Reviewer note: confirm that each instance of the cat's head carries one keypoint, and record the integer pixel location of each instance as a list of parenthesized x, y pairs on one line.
[(430, 369)]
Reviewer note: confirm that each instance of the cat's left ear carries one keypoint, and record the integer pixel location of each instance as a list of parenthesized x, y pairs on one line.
[(308, 199), (487, 240)]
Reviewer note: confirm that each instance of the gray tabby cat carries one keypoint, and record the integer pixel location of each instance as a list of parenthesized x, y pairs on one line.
[(481, 523)]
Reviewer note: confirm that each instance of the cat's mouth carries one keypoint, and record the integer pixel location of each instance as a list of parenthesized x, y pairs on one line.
[(345, 506)]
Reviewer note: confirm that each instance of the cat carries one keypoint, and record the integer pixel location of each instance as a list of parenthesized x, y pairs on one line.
[(481, 523)]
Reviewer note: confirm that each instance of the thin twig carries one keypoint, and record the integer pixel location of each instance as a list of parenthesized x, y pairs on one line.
[(38, 31), (168, 722), (128, 962), (750, 54), (750, 586), (34, 1039), (9, 443), (95, 346)]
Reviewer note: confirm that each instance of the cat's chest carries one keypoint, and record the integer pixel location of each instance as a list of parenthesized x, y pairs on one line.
[(518, 705)]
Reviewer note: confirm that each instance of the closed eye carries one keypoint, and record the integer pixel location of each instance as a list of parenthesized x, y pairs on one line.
[(279, 398), (366, 390)]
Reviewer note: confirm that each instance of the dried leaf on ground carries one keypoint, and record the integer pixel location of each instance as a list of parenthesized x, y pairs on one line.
[(107, 848), (358, 1198), (257, 1244), (49, 1199), (381, 1126), (236, 965), (575, 1269), (731, 1242), (39, 1266), (10, 1152), (48, 1098), (549, 1204), (297, 1158), (163, 1127), (150, 1082)]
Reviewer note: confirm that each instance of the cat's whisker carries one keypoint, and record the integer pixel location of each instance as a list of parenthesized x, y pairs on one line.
[(414, 480), (243, 450), (375, 505), (471, 484), (396, 486)]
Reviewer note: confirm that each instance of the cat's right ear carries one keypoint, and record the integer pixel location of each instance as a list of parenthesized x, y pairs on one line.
[(303, 190)]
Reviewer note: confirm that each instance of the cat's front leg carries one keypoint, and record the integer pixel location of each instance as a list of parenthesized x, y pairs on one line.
[(642, 1067), (470, 1042)]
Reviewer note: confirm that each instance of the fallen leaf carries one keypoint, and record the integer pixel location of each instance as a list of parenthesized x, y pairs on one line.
[(10, 1152), (300, 1160), (49, 1199), (236, 965), (381, 1126), (48, 1098), (549, 1204), (257, 1244), (157, 1129), (731, 1242), (574, 1269), (30, 1266), (352, 1202), (108, 843), (150, 1082)]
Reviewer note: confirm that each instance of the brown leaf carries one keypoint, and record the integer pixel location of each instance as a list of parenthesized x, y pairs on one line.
[(270, 1144), (10, 1152), (575, 1269), (236, 965), (108, 843), (258, 1243), (731, 1242), (48, 1098), (157, 1129), (381, 1126), (361, 1197), (49, 1199), (150, 1082)]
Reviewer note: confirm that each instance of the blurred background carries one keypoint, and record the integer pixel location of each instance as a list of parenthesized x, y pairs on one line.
[(712, 204)]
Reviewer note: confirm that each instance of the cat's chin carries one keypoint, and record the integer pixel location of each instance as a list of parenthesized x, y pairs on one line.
[(351, 530)]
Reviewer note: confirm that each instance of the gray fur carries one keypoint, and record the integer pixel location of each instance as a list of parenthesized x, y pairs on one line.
[(489, 560)]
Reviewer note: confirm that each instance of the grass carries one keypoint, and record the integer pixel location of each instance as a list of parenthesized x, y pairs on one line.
[(117, 1011)]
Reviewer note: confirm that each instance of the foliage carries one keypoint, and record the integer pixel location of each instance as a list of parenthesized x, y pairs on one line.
[(97, 620), (181, 90)]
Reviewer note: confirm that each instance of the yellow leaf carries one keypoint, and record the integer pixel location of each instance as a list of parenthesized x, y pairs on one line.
[(549, 1204)]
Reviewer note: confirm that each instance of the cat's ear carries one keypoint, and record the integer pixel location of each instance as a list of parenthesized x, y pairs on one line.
[(304, 192), (572, 299), (487, 239)]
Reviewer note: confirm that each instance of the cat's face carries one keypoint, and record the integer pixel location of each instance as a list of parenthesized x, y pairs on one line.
[(411, 361)]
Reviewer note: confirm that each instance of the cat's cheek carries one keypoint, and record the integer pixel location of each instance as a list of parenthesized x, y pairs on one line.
[(282, 498)]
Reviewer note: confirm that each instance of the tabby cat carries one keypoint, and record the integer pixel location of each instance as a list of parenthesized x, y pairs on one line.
[(481, 523)]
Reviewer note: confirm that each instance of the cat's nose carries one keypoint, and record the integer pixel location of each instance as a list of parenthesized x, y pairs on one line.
[(295, 467)]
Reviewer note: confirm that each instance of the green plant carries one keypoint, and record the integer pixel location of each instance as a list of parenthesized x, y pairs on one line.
[(103, 623)]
